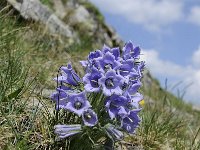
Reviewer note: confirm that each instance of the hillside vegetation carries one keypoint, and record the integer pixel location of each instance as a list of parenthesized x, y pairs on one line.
[(30, 56)]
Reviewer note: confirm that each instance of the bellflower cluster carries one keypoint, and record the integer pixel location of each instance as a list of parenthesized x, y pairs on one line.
[(110, 86)]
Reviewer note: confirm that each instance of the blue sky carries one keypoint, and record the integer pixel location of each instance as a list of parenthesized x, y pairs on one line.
[(168, 31)]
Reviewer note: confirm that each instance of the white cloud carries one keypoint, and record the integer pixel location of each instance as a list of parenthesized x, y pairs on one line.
[(152, 14), (187, 74), (196, 57), (194, 15)]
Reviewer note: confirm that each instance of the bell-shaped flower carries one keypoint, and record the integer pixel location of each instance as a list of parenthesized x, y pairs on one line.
[(68, 76), (89, 117), (92, 60), (91, 80), (140, 67), (114, 51), (113, 133), (129, 51), (61, 99), (134, 101), (77, 103), (134, 86), (107, 62), (95, 54), (64, 131), (115, 105), (111, 83), (130, 122), (127, 68)]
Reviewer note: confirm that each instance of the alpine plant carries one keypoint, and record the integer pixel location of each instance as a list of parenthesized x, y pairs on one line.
[(105, 102)]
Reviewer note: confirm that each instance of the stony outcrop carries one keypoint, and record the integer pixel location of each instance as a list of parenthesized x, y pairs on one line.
[(35, 10), (71, 19)]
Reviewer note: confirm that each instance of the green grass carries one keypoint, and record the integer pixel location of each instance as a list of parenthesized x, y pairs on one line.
[(29, 59)]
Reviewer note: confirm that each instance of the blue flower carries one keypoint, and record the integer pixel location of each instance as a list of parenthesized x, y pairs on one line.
[(61, 99), (115, 105), (92, 60), (89, 117), (78, 103), (68, 76), (107, 62), (64, 131), (115, 77), (114, 51), (140, 67), (130, 123), (133, 101), (133, 87), (111, 83), (91, 80), (129, 51), (94, 55)]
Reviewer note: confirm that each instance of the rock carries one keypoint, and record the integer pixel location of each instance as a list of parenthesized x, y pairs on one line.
[(80, 15), (35, 10), (81, 18), (59, 8)]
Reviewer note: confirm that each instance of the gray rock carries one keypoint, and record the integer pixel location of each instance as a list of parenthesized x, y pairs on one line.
[(59, 8), (82, 18), (35, 10), (80, 15)]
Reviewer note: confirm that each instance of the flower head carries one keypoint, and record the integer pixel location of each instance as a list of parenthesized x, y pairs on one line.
[(111, 83), (68, 76), (126, 68), (91, 80), (133, 101), (130, 51), (89, 117), (130, 122), (108, 62), (114, 51), (92, 60), (133, 87), (77, 103), (61, 99), (115, 105)]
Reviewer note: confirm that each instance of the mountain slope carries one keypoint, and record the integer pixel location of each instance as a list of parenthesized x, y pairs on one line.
[(167, 122)]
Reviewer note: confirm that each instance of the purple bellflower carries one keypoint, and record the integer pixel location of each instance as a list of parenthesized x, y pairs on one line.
[(130, 122), (92, 60), (127, 68), (114, 51), (89, 117), (61, 99), (140, 67), (133, 101), (111, 83), (134, 86), (78, 103), (68, 76), (130, 51), (91, 80), (108, 62), (115, 105)]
